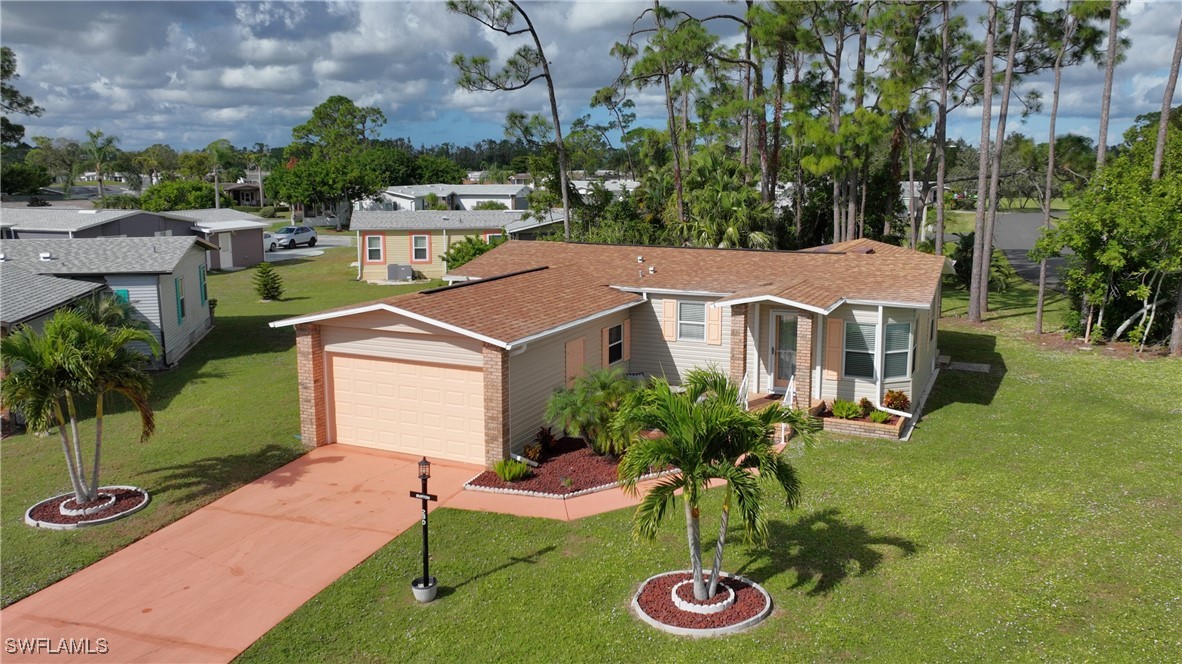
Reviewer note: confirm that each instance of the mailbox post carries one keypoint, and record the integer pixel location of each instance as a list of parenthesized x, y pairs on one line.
[(425, 587)]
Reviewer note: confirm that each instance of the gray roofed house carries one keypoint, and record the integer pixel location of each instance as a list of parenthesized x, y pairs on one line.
[(238, 235), (163, 278), (61, 220), (454, 196), (29, 298)]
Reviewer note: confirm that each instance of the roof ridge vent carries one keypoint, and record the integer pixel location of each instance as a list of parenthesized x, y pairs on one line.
[(45, 256)]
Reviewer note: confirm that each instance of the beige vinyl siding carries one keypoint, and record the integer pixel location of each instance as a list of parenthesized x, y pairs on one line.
[(398, 252), (144, 297), (414, 346), (540, 370), (178, 339), (654, 356)]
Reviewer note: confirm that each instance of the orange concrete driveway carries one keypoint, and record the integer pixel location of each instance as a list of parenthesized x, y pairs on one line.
[(206, 587)]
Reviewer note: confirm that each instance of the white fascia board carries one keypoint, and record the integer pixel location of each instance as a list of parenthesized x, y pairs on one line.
[(668, 291), (786, 302), (896, 305), (574, 323), (394, 310)]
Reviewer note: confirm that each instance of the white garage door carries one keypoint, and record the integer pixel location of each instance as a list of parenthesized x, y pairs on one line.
[(398, 406)]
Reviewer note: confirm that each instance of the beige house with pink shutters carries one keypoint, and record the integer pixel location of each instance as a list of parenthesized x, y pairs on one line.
[(463, 372)]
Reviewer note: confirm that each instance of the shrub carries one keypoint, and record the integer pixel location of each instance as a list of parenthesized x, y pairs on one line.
[(866, 407), (533, 452), (490, 205), (119, 202), (545, 438), (251, 209), (467, 249), (267, 212), (510, 470), (896, 400), (34, 201), (267, 282), (880, 416), (846, 410), (589, 406)]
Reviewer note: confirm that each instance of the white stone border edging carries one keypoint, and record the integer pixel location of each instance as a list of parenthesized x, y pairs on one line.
[(93, 522), (709, 631), (704, 609), (558, 496)]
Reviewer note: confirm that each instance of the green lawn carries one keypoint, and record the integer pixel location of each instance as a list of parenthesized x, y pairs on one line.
[(1035, 515), (227, 415)]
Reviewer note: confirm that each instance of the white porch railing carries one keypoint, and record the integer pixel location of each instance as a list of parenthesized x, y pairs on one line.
[(743, 389)]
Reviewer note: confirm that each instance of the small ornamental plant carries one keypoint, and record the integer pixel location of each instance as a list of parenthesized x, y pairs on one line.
[(846, 410), (865, 406), (545, 438), (880, 417), (896, 400), (533, 452), (511, 470), (267, 282)]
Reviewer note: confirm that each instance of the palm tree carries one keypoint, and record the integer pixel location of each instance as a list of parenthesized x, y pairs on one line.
[(222, 153), (586, 409), (110, 311), (101, 150), (708, 436), (75, 358)]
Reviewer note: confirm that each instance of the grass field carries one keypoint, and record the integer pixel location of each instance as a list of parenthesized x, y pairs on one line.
[(1035, 515), (225, 416)]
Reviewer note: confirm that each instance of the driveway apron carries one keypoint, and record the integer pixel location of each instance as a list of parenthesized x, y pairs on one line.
[(207, 586)]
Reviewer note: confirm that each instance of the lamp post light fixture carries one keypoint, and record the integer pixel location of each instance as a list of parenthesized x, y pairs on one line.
[(424, 587)]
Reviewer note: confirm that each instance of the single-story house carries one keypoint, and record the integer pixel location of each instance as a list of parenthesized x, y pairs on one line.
[(162, 277), (389, 242), (27, 223), (463, 372), (28, 298), (616, 187), (238, 236), (243, 193), (454, 196)]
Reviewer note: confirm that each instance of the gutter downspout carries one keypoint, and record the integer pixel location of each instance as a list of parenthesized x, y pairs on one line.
[(359, 249)]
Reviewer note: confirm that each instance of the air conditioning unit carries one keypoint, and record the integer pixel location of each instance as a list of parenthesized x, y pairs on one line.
[(400, 273)]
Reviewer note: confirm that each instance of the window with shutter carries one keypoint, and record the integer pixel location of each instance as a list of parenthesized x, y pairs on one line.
[(691, 321)]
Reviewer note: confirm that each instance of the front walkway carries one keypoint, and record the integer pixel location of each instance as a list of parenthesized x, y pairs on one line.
[(206, 587)]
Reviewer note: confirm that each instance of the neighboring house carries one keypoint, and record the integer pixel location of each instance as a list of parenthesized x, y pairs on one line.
[(48, 223), (521, 179), (464, 372), (162, 277), (245, 194), (390, 240), (238, 236), (616, 187), (453, 196)]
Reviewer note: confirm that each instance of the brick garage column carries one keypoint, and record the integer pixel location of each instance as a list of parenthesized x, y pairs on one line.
[(738, 366), (804, 360), (310, 369), (496, 404)]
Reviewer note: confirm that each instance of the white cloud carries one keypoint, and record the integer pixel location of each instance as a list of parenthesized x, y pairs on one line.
[(272, 77)]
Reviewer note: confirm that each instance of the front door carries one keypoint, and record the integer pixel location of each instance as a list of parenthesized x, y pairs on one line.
[(783, 350), (226, 255)]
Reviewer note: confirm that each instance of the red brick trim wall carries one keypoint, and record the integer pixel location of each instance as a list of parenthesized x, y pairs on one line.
[(738, 366), (496, 404), (310, 369), (804, 359)]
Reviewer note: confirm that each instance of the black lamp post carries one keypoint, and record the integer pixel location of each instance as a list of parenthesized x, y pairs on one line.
[(424, 588)]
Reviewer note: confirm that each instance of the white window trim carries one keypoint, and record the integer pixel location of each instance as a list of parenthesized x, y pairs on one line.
[(910, 350), (426, 248), (381, 254), (845, 350), (680, 322), (619, 344)]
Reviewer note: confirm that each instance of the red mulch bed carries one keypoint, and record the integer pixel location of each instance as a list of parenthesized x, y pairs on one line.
[(656, 600), (828, 413), (570, 458), (125, 499)]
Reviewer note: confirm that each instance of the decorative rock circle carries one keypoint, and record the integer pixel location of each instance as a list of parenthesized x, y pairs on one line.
[(658, 606), (105, 500), (704, 609), (119, 507)]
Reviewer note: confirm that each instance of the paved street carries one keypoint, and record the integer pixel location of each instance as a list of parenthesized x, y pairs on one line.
[(1015, 234)]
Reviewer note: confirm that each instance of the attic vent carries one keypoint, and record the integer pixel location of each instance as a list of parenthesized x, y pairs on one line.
[(3, 257), (864, 250)]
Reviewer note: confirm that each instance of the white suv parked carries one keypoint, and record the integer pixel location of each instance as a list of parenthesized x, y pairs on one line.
[(289, 237)]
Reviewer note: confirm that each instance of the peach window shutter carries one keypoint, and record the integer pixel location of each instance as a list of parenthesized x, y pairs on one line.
[(669, 319), (834, 331), (627, 339), (713, 325), (605, 336)]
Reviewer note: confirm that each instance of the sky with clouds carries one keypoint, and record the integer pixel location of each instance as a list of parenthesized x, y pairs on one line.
[(187, 73)]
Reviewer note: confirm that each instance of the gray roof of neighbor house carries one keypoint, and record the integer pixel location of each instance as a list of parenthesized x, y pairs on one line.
[(421, 220), (101, 255), (215, 214), (25, 295), (62, 220), (416, 190)]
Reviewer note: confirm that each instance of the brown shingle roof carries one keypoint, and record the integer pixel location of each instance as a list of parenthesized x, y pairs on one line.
[(581, 280)]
